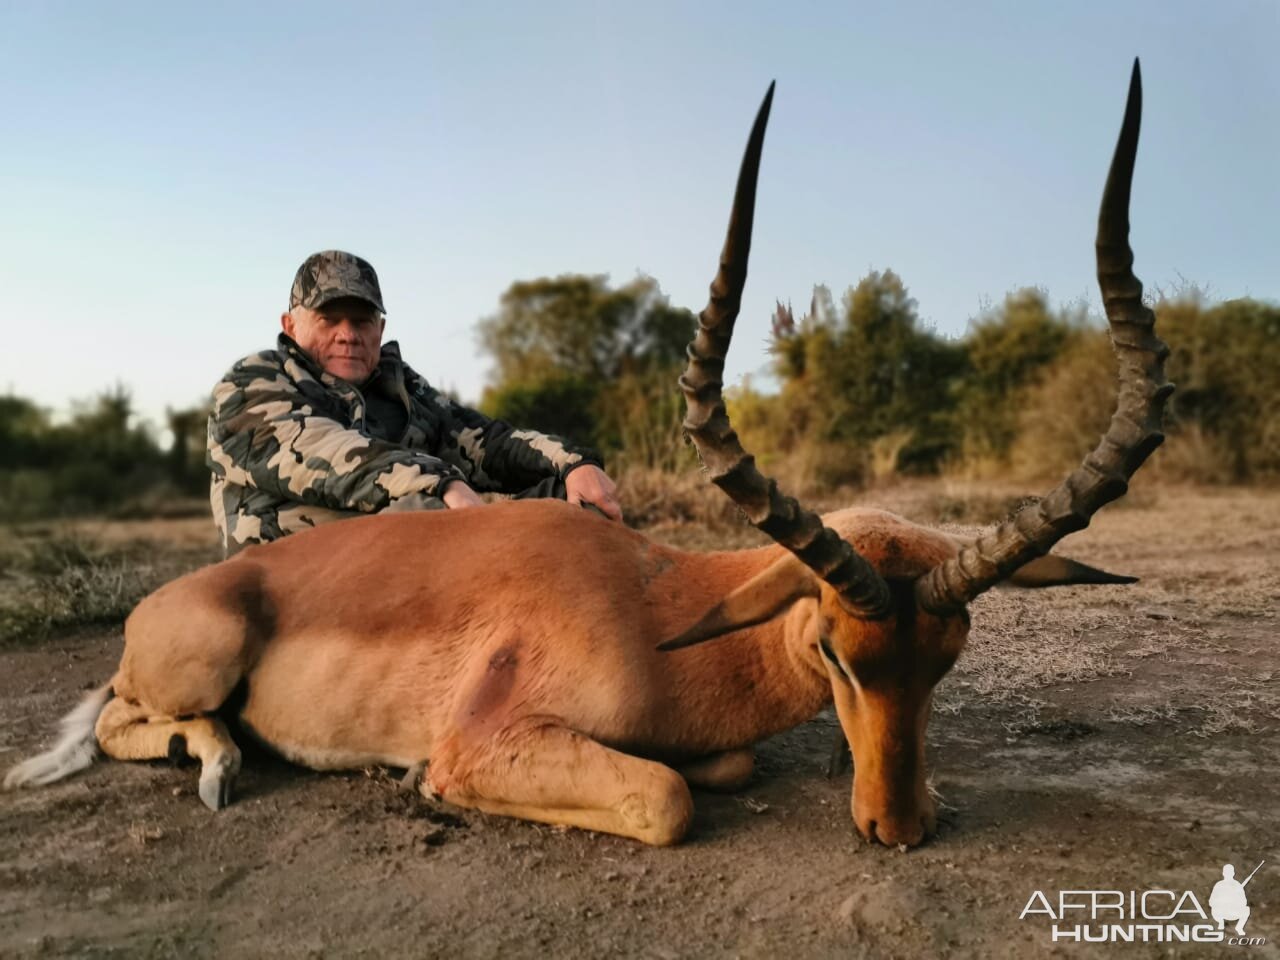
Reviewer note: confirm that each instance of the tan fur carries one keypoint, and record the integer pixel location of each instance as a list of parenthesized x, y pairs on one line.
[(515, 648)]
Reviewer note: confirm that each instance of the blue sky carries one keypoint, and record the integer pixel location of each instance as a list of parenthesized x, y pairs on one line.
[(167, 166)]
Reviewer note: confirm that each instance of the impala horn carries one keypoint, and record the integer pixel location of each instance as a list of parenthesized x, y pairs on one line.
[(1135, 429), (732, 469)]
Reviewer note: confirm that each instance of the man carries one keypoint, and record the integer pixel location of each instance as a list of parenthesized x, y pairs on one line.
[(333, 424)]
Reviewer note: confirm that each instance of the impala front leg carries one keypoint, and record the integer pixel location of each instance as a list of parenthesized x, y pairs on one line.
[(538, 769)]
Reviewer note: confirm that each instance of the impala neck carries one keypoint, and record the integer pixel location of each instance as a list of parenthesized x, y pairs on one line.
[(747, 685)]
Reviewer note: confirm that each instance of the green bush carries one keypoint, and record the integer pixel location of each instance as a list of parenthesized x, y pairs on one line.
[(97, 461), (567, 406), (864, 376), (1222, 424), (1060, 416), (1226, 362), (1006, 350)]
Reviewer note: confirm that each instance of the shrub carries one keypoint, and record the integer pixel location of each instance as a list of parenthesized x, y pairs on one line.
[(1060, 417)]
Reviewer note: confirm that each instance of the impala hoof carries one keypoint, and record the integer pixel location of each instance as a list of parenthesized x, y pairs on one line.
[(216, 781)]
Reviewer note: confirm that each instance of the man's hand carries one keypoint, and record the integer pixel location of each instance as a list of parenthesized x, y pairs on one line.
[(458, 496), (590, 484)]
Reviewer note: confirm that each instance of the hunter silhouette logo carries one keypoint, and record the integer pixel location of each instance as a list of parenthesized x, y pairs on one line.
[(1228, 900), (1149, 916)]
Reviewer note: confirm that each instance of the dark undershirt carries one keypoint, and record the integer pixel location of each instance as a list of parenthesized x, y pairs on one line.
[(384, 414)]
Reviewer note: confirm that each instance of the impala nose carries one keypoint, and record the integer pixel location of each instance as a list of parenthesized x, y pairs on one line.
[(910, 829)]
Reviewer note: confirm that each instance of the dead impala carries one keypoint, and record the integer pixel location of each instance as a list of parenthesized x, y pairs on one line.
[(517, 646)]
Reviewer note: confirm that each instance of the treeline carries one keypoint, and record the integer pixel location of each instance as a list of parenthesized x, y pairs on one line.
[(867, 390), (102, 459)]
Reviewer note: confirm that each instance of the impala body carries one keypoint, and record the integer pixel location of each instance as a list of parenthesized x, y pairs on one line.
[(551, 665), (416, 657)]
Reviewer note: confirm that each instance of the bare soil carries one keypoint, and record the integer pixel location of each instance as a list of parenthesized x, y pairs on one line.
[(1115, 738)]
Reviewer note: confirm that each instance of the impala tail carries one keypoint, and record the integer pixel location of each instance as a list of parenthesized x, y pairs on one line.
[(75, 750)]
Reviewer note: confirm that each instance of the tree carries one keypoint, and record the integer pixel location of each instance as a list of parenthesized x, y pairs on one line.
[(576, 325), (575, 357), (24, 428), (867, 374), (101, 457), (187, 469), (1006, 350), (1226, 362)]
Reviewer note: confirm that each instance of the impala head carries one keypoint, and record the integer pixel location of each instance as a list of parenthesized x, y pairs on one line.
[(892, 595)]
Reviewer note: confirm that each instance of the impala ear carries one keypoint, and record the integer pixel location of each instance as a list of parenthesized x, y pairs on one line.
[(761, 598), (1054, 571)]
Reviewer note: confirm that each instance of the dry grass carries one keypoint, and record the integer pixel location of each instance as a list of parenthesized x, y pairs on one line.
[(1193, 627), (884, 454), (657, 498), (63, 580)]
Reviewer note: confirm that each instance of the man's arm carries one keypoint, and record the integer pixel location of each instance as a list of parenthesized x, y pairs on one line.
[(505, 459), (499, 458), (263, 433)]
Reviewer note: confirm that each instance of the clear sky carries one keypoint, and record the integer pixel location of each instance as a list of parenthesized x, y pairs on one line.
[(167, 166)]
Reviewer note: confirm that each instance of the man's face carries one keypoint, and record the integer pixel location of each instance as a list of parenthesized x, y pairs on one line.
[(344, 336)]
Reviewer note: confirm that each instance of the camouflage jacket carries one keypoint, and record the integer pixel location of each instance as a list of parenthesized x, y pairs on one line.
[(290, 447)]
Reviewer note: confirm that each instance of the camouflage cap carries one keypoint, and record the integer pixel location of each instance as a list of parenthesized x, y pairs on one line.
[(331, 274)]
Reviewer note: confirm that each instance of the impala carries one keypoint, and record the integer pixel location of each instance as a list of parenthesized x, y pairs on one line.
[(552, 665)]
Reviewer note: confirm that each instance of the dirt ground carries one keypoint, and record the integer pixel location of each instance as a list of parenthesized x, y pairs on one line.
[(1105, 738)]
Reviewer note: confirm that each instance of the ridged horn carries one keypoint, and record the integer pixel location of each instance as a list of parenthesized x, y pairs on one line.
[(1135, 429), (731, 468)]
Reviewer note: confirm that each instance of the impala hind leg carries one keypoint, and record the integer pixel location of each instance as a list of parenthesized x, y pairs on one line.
[(540, 770), (130, 731)]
